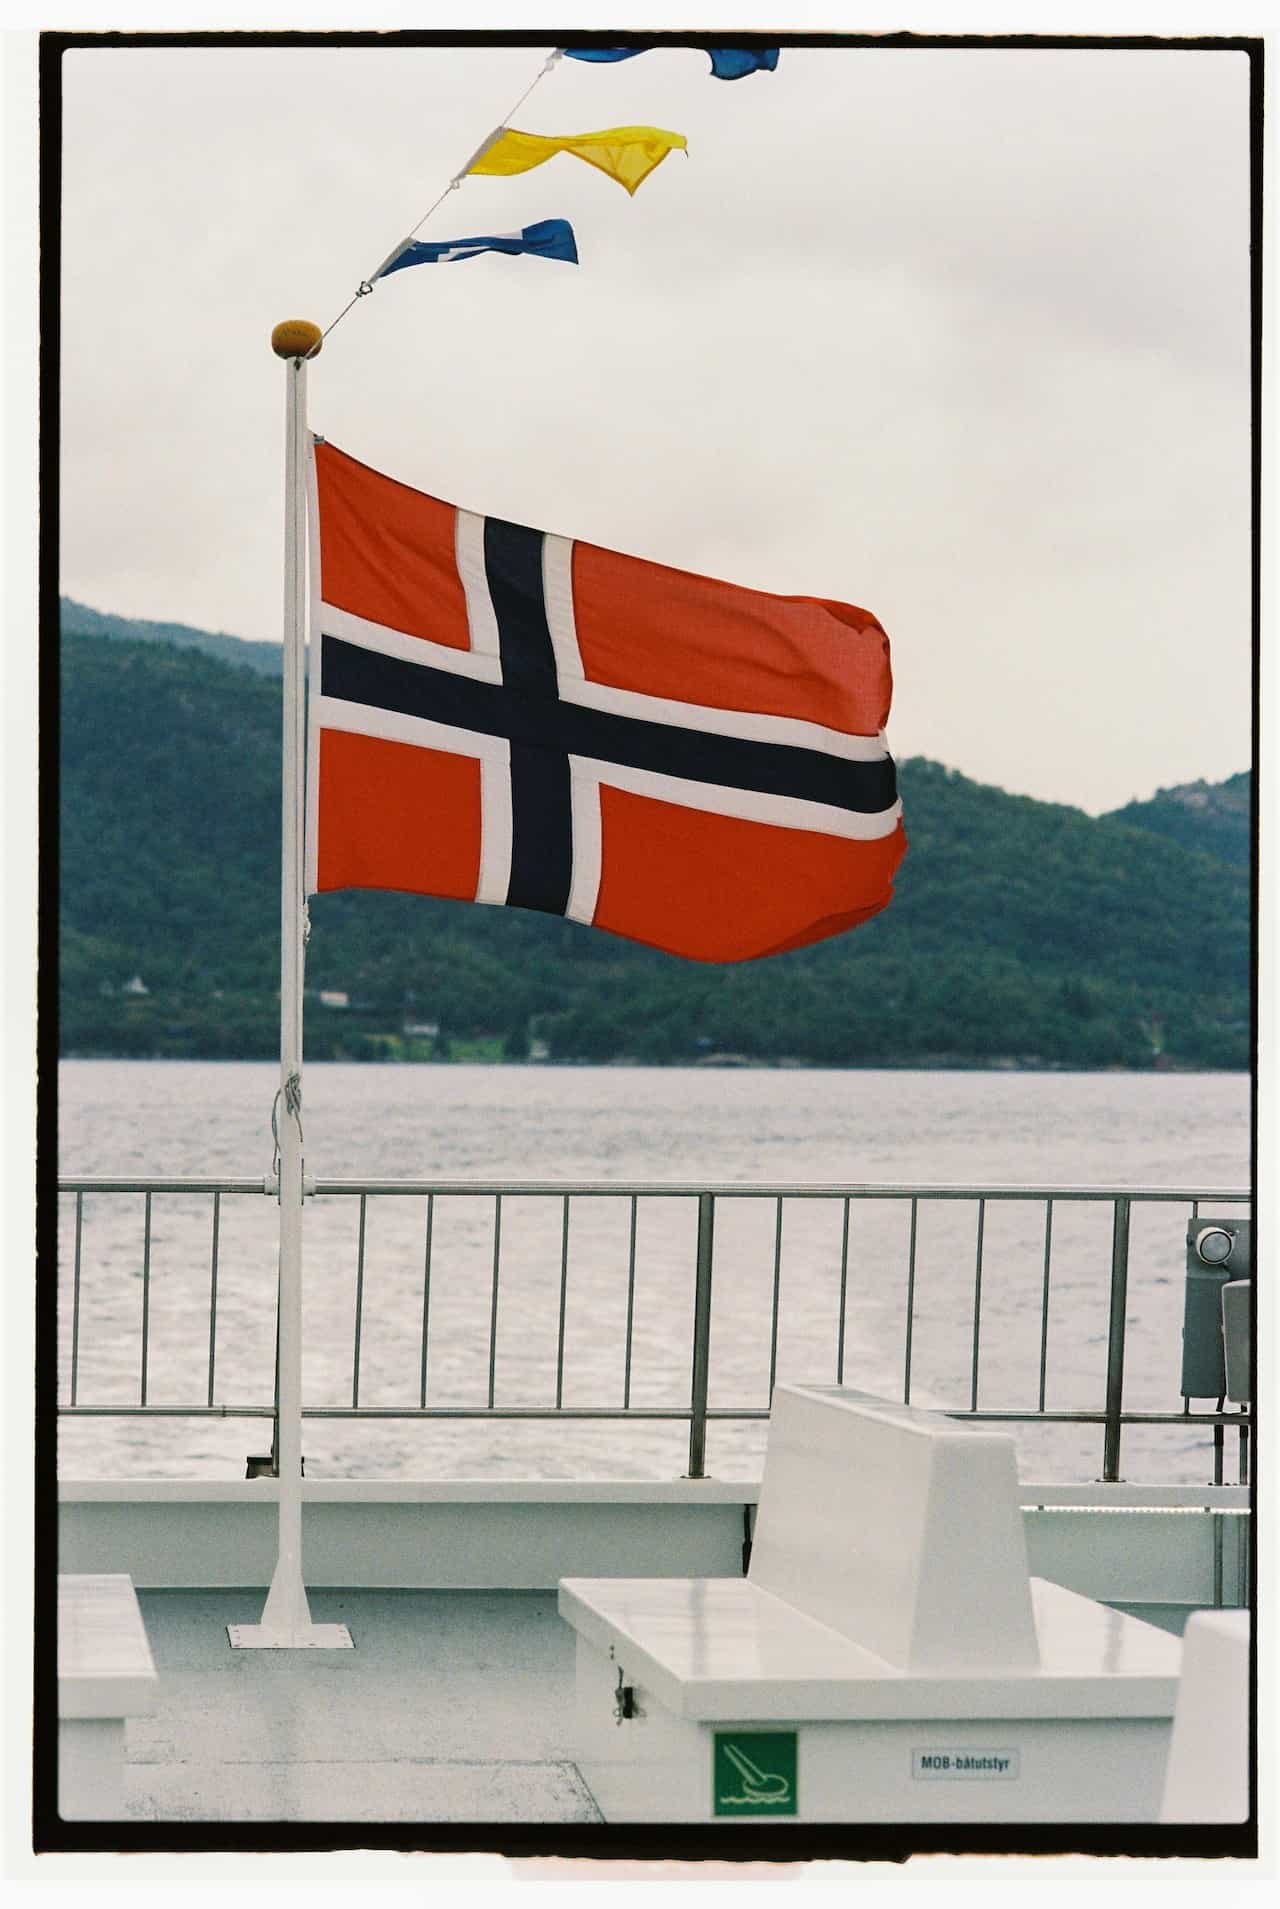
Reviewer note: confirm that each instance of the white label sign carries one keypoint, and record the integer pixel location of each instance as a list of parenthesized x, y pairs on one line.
[(965, 1765)]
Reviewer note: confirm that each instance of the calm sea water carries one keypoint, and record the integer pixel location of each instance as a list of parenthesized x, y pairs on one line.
[(620, 1125)]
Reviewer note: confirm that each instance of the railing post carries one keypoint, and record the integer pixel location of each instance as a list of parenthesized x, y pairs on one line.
[(1115, 1340), (701, 1338)]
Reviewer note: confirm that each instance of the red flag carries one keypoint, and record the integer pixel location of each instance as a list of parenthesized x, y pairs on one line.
[(502, 715)]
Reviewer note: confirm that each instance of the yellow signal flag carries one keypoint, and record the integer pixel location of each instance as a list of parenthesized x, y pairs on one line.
[(626, 153)]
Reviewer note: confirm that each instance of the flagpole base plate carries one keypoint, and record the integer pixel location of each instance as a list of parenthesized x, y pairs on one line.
[(308, 1637)]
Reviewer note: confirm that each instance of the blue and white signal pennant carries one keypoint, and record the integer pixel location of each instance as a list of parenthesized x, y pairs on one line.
[(548, 239), (727, 62)]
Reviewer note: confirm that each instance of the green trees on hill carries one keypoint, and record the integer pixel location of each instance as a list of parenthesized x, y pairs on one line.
[(1021, 931), (1213, 817)]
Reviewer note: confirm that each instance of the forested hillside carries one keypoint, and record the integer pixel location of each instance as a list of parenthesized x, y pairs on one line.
[(1022, 932), (77, 619), (1212, 816)]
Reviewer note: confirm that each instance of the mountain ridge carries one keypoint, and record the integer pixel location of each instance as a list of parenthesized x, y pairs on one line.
[(1214, 816), (77, 619)]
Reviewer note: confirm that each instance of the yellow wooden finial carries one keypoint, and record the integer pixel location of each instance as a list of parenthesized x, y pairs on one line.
[(296, 338)]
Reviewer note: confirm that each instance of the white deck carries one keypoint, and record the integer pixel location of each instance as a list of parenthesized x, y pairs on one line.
[(457, 1703), (452, 1707)]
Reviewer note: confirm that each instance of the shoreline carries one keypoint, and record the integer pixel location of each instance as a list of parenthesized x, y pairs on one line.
[(926, 1064)]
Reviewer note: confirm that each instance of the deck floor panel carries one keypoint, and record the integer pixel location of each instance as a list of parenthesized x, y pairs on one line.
[(452, 1707), (380, 1792)]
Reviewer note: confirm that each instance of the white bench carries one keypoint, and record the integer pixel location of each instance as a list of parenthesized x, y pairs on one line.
[(1207, 1780), (105, 1674), (887, 1657)]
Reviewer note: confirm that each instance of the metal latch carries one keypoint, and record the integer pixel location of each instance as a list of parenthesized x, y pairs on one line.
[(624, 1701)]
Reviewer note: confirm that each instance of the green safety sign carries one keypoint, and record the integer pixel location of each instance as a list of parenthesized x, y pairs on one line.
[(753, 1773)]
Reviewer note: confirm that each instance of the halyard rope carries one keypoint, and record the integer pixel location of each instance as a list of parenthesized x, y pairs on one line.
[(366, 285)]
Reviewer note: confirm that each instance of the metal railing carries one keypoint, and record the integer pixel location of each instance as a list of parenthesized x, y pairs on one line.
[(1111, 1415)]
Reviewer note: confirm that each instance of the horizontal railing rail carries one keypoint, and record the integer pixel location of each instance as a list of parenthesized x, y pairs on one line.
[(697, 1411), (664, 1189)]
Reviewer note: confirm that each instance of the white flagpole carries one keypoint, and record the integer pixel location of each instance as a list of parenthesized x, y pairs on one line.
[(286, 1617)]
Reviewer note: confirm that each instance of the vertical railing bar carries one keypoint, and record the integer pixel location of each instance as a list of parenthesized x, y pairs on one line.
[(977, 1306), (493, 1301), (1219, 1457), (701, 1336), (213, 1294), (564, 1288), (275, 1392), (1115, 1340), (75, 1301), (777, 1282), (1044, 1299), (146, 1298), (631, 1301), (844, 1282), (355, 1349), (426, 1297), (911, 1303), (1242, 1524)]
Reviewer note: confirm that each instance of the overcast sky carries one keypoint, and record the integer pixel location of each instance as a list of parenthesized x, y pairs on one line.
[(959, 335)]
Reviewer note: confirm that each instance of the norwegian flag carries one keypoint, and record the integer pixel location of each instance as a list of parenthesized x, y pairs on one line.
[(501, 715)]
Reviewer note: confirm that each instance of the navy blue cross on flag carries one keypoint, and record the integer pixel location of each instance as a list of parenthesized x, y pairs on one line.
[(503, 715)]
